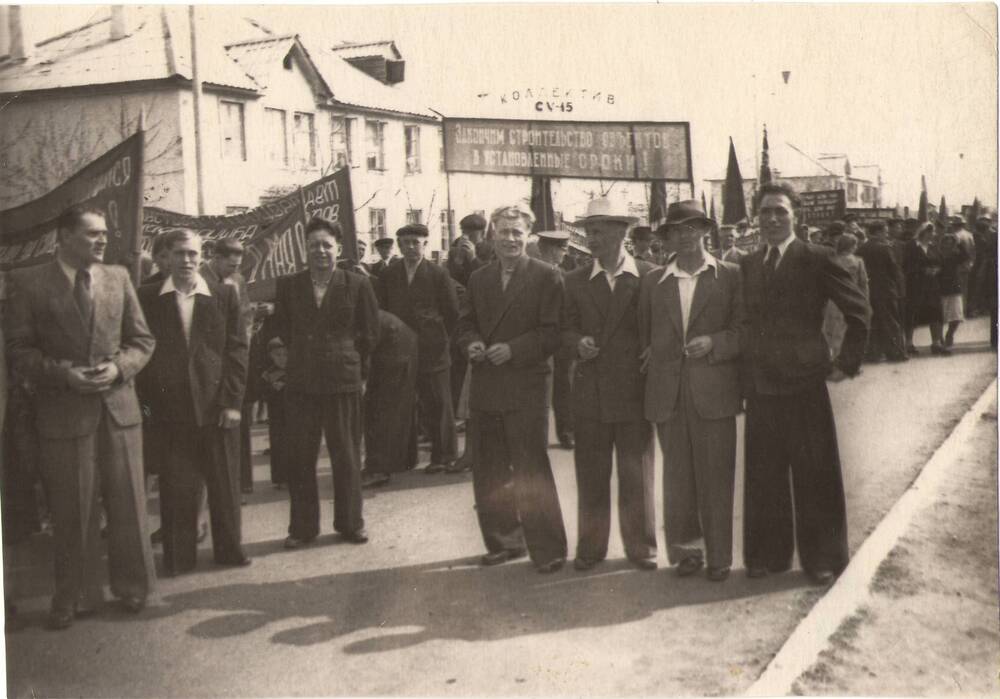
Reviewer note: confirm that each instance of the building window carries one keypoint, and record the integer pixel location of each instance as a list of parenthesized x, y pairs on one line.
[(376, 223), (414, 215), (375, 134), (852, 191), (340, 141), (304, 140), (276, 123), (411, 136), (234, 145), (447, 225)]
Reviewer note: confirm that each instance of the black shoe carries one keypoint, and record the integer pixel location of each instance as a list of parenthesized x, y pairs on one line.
[(821, 578), (949, 340), (241, 562), (497, 557), (133, 605), (431, 469), (292, 543), (460, 465), (374, 479), (644, 563), (552, 566), (689, 566), (912, 350), (717, 574), (359, 536), (59, 619), (940, 350), (584, 563)]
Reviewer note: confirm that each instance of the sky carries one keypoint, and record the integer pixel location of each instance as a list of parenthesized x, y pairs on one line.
[(910, 87)]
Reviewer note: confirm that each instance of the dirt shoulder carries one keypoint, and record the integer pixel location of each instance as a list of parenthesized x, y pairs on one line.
[(932, 624)]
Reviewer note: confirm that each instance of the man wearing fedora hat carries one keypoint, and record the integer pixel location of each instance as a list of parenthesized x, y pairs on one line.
[(509, 328), (690, 316), (601, 328)]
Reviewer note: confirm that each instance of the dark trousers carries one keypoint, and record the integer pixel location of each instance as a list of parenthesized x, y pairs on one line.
[(516, 499), (886, 336), (277, 434), (562, 392), (336, 416), (194, 455), (437, 415), (796, 435), (246, 453), (596, 444), (109, 460), (699, 467), (459, 364)]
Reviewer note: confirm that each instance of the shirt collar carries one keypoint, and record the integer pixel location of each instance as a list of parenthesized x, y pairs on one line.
[(69, 270), (782, 246), (672, 270), (200, 286), (626, 265)]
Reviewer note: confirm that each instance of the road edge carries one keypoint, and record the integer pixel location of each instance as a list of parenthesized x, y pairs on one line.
[(852, 589)]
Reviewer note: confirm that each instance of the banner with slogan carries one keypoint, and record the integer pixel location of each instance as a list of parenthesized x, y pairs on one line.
[(273, 235), (112, 182), (592, 150), (866, 215), (823, 207)]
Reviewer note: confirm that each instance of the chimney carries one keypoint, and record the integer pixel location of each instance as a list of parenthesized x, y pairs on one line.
[(117, 22), (18, 46)]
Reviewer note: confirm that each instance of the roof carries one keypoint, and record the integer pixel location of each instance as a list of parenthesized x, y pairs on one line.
[(386, 48), (787, 161), (264, 57), (156, 46)]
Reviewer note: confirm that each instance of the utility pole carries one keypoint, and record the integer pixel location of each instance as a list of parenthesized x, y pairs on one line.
[(199, 159)]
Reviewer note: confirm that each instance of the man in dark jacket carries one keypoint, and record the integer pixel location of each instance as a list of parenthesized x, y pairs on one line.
[(328, 319), (885, 289)]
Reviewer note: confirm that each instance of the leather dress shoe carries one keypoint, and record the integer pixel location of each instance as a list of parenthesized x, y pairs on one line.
[(757, 572), (552, 566), (717, 573), (293, 543), (584, 563), (644, 563), (359, 536), (59, 619), (241, 562), (689, 566), (822, 578), (459, 465), (432, 469), (372, 479), (497, 557), (133, 605)]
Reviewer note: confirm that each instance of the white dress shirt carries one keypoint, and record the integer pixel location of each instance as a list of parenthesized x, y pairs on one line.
[(686, 284), (781, 247), (626, 265), (185, 301)]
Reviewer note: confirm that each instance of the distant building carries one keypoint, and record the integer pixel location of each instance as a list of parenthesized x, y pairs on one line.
[(275, 115)]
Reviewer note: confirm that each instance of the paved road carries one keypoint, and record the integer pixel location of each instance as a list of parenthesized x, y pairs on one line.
[(412, 614)]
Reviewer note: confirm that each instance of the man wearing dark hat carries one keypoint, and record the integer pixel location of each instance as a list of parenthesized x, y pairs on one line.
[(642, 238), (383, 246), (462, 259), (552, 248), (690, 316), (422, 295), (601, 328), (853, 226), (885, 287)]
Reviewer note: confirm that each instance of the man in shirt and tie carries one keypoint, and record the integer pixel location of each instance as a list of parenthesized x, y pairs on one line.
[(422, 295), (691, 315), (193, 388), (790, 427), (328, 320), (601, 329), (75, 330)]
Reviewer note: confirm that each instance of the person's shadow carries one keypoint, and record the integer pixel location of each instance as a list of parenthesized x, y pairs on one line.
[(454, 600)]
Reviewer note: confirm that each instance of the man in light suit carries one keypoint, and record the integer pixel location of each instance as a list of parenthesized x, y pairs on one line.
[(601, 331), (509, 328), (76, 331), (193, 387), (790, 426), (421, 294), (690, 314), (328, 319)]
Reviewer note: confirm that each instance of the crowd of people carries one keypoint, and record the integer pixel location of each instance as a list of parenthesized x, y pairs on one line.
[(646, 335)]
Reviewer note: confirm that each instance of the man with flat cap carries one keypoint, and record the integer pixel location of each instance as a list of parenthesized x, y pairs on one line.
[(421, 294), (690, 315), (642, 239), (552, 248), (462, 259), (509, 328), (601, 328), (383, 246)]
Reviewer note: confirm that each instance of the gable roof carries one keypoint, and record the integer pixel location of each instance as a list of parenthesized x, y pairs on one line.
[(156, 47), (263, 58), (385, 48)]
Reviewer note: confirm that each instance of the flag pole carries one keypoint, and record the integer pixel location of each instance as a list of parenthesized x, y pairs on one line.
[(199, 158), (140, 194)]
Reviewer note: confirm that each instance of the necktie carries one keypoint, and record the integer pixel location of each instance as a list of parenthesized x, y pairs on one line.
[(81, 293), (770, 263)]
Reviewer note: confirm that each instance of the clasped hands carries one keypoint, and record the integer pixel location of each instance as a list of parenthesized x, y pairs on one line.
[(94, 379), (496, 354)]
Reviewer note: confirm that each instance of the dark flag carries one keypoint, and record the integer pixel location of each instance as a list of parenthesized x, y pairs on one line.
[(657, 202), (734, 203), (975, 212), (765, 162), (943, 211), (541, 204), (711, 213), (704, 206), (922, 210)]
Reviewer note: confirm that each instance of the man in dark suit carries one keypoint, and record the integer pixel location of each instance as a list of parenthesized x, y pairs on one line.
[(691, 316), (462, 259), (790, 424), (383, 246), (601, 331), (193, 387), (328, 319), (420, 293), (885, 289), (76, 332), (509, 328)]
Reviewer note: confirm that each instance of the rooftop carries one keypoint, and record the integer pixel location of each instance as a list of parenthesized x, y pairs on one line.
[(788, 160)]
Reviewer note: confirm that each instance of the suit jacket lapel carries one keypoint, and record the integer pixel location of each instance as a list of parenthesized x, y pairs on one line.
[(702, 291), (672, 298), (514, 287), (337, 282), (201, 321), (601, 293)]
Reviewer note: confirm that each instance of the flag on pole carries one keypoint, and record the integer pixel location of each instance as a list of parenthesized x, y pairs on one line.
[(943, 211), (711, 214), (734, 203), (765, 162), (922, 209), (657, 202), (541, 204), (704, 206)]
